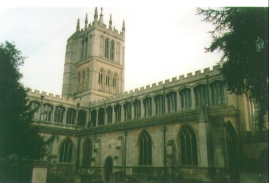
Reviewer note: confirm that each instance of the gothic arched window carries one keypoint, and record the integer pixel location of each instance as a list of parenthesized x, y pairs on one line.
[(171, 101), (35, 106), (186, 99), (102, 46), (87, 152), (159, 104), (112, 50), (78, 82), (109, 114), (84, 47), (46, 112), (107, 81), (145, 149), (59, 114), (201, 95), (127, 111), (70, 118), (137, 109), (101, 116), (118, 52), (83, 81), (114, 83), (188, 147), (147, 106), (81, 118), (87, 78), (117, 110), (100, 79), (217, 92), (93, 117), (66, 151), (90, 46), (106, 47)]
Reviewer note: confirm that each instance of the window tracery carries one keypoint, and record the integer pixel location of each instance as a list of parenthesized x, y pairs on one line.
[(145, 149), (66, 151), (188, 147)]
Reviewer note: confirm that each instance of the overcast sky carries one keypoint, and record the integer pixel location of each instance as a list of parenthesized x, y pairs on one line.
[(161, 42)]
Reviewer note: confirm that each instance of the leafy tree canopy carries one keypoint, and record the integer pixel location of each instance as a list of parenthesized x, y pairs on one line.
[(242, 34), (18, 139)]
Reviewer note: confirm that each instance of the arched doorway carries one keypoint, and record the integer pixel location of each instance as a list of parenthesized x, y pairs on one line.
[(108, 168)]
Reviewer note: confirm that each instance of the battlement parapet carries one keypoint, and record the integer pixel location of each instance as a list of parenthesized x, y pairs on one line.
[(168, 83), (36, 94)]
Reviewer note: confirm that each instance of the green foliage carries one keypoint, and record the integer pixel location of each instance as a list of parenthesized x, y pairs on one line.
[(241, 33), (18, 138)]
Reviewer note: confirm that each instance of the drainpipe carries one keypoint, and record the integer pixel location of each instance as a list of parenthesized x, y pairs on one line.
[(124, 160), (77, 158), (164, 149)]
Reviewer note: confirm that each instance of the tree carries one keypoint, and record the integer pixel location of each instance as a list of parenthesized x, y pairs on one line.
[(241, 33), (19, 140)]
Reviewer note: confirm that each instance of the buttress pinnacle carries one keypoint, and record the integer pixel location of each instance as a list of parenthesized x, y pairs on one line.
[(86, 20), (78, 26)]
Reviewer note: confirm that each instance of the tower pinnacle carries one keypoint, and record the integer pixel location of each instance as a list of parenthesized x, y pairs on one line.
[(101, 16), (96, 14), (110, 22), (78, 26), (123, 26)]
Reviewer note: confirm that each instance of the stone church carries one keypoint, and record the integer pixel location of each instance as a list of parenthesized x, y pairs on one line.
[(186, 128)]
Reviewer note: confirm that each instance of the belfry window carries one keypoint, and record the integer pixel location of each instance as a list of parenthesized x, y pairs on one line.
[(107, 81), (127, 111), (59, 114), (78, 82), (100, 80), (117, 110), (83, 81), (118, 52), (201, 95), (87, 152), (66, 151), (70, 118), (46, 112), (159, 104), (171, 101), (114, 83), (217, 92), (106, 47), (188, 147), (137, 109), (147, 106), (87, 78), (145, 149), (81, 118), (102, 46), (84, 45), (112, 50), (186, 99), (35, 106)]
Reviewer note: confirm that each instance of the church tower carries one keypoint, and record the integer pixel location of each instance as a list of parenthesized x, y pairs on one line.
[(94, 61)]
